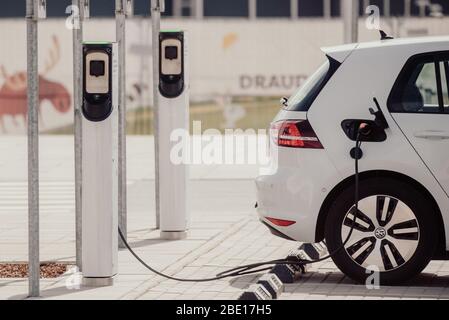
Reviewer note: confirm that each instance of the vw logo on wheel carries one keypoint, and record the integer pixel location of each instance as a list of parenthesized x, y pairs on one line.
[(380, 233)]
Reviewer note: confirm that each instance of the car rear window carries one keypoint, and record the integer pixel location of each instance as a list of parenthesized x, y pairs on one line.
[(307, 93)]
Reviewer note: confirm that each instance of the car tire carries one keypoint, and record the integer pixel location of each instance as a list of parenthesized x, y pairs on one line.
[(398, 242)]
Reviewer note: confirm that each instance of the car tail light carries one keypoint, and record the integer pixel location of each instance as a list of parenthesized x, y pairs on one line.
[(294, 134), (280, 222)]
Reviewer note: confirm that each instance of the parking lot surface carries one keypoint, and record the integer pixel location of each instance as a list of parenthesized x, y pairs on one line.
[(225, 232)]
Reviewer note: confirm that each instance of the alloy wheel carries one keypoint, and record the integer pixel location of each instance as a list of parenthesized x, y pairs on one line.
[(385, 235)]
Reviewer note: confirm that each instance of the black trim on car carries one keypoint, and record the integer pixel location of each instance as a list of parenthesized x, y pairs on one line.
[(306, 103), (439, 86), (276, 232)]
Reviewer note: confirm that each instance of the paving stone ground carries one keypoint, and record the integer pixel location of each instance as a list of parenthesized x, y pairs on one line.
[(224, 233)]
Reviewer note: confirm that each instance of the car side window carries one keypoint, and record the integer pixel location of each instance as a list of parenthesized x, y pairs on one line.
[(421, 94), (422, 86)]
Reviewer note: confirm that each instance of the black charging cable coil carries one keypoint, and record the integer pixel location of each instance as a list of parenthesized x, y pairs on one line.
[(260, 266)]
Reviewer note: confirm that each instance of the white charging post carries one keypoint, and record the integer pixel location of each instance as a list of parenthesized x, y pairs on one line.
[(99, 160), (173, 114)]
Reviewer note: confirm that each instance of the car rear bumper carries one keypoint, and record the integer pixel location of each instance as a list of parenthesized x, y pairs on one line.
[(296, 193)]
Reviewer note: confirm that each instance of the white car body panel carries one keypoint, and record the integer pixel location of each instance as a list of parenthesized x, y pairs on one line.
[(298, 185), (429, 135)]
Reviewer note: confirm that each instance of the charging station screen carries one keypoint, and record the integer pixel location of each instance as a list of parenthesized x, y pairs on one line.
[(97, 68), (171, 52)]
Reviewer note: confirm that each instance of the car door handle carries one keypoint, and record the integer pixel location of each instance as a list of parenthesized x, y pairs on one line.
[(432, 134)]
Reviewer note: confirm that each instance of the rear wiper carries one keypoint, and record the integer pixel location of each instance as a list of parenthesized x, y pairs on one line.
[(284, 101)]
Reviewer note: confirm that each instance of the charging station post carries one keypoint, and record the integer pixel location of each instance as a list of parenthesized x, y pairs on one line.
[(173, 114), (35, 10), (99, 160)]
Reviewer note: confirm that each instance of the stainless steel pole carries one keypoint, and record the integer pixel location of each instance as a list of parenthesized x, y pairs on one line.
[(199, 9), (177, 8), (77, 101), (294, 9), (407, 8), (327, 10), (387, 8), (350, 17), (120, 15), (252, 9), (33, 150), (156, 26)]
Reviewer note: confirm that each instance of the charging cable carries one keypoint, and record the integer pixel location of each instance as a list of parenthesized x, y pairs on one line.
[(363, 129)]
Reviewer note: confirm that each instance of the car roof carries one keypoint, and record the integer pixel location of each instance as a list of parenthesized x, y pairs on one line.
[(413, 45)]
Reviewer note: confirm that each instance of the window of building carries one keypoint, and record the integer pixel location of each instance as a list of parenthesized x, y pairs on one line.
[(186, 11), (168, 7), (362, 7), (227, 8), (13, 9), (414, 10), (335, 8), (397, 8), (310, 8), (56, 8), (273, 8), (184, 8), (142, 7), (430, 8), (439, 6), (187, 7), (102, 8)]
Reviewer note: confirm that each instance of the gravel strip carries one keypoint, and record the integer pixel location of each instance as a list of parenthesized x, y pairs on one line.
[(20, 270)]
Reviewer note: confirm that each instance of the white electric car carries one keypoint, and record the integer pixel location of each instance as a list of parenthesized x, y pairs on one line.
[(307, 194)]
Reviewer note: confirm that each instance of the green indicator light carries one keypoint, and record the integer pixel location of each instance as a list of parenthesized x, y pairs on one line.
[(96, 42), (171, 31)]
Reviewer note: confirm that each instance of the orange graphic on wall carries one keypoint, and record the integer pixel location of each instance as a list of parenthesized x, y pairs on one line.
[(229, 40), (13, 92)]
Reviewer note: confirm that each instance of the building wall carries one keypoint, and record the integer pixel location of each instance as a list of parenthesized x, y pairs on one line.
[(269, 57)]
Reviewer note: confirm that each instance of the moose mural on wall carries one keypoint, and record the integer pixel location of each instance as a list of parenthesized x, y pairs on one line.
[(13, 91)]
